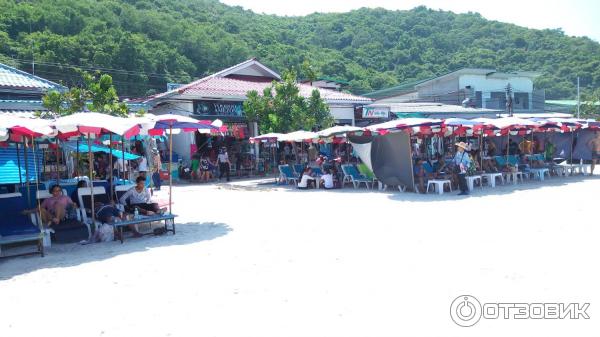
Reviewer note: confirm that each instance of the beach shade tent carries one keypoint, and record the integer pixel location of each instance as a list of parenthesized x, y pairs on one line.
[(386, 147), (168, 123), (268, 138), (73, 146), (388, 156), (24, 129), (97, 124)]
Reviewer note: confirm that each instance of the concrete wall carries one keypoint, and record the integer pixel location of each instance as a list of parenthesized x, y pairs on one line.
[(342, 112), (483, 83)]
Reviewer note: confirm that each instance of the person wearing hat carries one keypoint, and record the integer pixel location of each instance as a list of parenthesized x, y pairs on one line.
[(156, 165), (462, 160), (224, 163)]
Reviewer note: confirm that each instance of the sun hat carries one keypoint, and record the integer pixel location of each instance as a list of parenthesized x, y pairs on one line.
[(463, 145)]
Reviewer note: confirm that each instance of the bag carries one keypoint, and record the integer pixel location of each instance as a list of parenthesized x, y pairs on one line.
[(105, 233), (71, 213)]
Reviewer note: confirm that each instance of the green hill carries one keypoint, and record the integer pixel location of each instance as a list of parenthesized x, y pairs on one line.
[(145, 44)]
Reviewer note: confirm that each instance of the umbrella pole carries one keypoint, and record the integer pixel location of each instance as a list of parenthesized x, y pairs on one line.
[(110, 165), (481, 151), (90, 163), (123, 155), (170, 171), (27, 172), (507, 145), (77, 158), (57, 163), (19, 166), (571, 150)]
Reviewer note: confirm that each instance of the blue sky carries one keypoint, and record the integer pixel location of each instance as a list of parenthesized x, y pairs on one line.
[(575, 17)]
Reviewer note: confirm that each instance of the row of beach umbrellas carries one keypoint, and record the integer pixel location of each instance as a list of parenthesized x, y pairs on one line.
[(91, 125)]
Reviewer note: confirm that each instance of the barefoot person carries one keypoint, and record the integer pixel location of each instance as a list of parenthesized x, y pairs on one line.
[(138, 198), (54, 209), (594, 145)]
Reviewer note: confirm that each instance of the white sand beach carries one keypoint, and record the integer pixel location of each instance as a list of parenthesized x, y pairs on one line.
[(280, 262)]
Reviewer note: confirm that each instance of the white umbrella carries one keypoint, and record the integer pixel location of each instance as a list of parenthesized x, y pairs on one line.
[(25, 126), (96, 123), (337, 130), (297, 136)]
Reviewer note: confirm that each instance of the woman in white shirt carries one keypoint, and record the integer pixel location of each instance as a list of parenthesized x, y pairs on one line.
[(307, 180), (224, 163), (327, 180)]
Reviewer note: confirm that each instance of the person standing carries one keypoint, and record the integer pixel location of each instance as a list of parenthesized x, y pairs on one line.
[(224, 163), (462, 162), (594, 145), (142, 166), (156, 165)]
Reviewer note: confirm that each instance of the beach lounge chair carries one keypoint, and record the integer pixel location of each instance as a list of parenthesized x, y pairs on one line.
[(351, 175), (120, 190), (85, 201), (17, 227), (286, 174), (299, 169)]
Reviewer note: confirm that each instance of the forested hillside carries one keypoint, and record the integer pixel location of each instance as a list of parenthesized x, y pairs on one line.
[(144, 44)]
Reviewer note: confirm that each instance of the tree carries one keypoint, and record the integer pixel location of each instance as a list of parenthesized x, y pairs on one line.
[(282, 109), (590, 104), (104, 95), (98, 94)]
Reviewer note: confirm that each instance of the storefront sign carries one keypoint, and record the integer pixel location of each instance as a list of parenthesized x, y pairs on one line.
[(218, 108), (383, 112)]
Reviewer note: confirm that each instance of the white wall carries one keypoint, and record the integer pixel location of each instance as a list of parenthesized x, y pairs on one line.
[(486, 84), (342, 112)]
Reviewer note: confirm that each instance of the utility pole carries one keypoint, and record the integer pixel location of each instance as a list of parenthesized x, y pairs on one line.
[(578, 100), (509, 102)]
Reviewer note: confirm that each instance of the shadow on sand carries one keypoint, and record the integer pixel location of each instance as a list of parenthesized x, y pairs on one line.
[(69, 255), (488, 191)]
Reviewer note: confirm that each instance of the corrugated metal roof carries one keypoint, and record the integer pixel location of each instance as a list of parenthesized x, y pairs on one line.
[(431, 108), (235, 88), (14, 78), (21, 113)]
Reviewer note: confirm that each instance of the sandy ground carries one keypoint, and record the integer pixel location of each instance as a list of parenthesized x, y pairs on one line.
[(278, 262)]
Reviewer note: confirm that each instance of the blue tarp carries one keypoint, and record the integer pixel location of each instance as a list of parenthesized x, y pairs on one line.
[(83, 148), (9, 165)]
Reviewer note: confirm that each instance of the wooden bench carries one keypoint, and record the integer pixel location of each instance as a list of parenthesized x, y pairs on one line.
[(167, 218)]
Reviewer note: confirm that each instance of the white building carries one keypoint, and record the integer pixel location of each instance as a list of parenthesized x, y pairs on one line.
[(481, 88), (220, 96)]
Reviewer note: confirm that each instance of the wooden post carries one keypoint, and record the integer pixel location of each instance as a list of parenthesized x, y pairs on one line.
[(110, 165), (91, 164), (19, 166), (170, 171), (57, 163), (25, 146), (123, 155)]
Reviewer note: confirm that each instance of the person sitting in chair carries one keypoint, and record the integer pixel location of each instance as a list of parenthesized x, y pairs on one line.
[(327, 180), (54, 209), (307, 180), (138, 198)]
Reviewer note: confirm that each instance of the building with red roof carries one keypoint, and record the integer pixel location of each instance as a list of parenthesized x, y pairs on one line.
[(221, 96)]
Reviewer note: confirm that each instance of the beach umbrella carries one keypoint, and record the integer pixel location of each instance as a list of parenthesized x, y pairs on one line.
[(93, 123), (298, 136), (337, 130), (173, 122)]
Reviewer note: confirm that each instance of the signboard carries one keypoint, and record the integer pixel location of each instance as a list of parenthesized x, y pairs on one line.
[(218, 108), (379, 112)]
